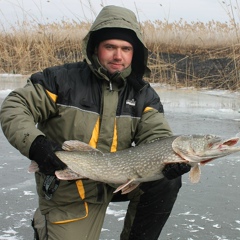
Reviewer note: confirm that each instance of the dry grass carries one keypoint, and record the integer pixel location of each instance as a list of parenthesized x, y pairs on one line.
[(30, 47), (195, 38)]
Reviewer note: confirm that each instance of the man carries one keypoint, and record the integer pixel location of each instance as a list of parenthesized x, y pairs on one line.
[(104, 102)]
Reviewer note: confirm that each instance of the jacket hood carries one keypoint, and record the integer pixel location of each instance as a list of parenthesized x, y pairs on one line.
[(118, 17)]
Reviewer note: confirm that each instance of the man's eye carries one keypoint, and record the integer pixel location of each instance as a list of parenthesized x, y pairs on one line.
[(108, 47), (127, 49)]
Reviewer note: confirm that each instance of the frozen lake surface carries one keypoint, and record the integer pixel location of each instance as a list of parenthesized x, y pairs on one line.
[(209, 210)]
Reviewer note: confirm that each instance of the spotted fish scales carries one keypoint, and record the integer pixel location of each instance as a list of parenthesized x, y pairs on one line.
[(143, 163)]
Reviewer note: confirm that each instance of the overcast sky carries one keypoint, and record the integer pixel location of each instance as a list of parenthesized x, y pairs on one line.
[(44, 11)]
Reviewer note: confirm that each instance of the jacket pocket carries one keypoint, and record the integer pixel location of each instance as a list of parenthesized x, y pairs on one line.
[(68, 213), (70, 201)]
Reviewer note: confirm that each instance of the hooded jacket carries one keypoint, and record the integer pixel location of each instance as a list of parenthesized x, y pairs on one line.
[(80, 101)]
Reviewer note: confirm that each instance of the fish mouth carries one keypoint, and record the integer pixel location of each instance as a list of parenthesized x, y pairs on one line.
[(221, 147), (215, 147), (206, 161), (231, 142), (227, 143)]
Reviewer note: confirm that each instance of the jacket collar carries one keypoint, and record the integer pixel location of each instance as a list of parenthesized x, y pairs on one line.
[(116, 80)]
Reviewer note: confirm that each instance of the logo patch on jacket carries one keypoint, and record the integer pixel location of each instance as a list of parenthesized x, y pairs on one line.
[(131, 102)]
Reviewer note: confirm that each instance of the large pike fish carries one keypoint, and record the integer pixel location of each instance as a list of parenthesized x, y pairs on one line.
[(143, 163)]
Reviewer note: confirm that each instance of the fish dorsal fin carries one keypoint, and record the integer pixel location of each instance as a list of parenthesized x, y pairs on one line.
[(75, 145), (127, 187)]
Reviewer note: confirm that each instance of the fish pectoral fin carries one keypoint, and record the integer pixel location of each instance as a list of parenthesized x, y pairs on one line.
[(195, 173), (127, 187), (68, 174)]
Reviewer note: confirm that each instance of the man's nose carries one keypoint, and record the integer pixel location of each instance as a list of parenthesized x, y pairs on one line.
[(118, 54)]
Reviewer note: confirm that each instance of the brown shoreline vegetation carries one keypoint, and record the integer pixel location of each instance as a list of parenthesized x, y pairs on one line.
[(181, 54)]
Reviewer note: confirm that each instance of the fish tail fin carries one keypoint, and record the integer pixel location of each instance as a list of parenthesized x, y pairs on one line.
[(33, 167), (195, 173)]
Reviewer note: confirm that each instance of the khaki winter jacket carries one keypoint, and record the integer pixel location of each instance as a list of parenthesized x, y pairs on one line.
[(74, 101)]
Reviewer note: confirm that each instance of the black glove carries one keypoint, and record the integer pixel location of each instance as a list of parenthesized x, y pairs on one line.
[(42, 152), (174, 170)]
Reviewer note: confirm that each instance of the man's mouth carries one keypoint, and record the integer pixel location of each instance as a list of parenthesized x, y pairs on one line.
[(116, 64)]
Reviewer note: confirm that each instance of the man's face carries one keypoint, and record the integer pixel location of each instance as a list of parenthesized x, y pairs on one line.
[(115, 55)]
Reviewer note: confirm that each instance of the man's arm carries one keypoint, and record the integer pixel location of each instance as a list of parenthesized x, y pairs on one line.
[(21, 111)]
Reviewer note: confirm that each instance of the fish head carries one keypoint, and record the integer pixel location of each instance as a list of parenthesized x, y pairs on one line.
[(203, 148)]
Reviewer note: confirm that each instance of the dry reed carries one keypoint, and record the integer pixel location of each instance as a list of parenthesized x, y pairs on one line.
[(176, 50)]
